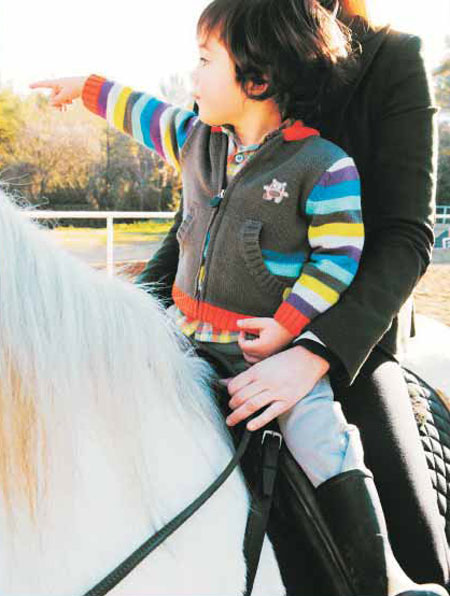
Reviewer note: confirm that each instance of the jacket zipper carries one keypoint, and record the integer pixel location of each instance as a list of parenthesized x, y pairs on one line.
[(214, 202), (219, 201)]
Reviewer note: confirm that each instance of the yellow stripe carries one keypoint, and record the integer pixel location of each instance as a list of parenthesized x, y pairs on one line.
[(337, 229), (120, 107), (167, 144), (319, 288)]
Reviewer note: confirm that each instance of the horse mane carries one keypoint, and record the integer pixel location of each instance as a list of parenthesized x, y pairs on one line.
[(78, 347)]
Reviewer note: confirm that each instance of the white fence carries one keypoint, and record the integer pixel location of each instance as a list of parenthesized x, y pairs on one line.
[(443, 214), (110, 216)]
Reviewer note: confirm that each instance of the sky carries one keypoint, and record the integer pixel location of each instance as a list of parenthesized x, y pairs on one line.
[(144, 42)]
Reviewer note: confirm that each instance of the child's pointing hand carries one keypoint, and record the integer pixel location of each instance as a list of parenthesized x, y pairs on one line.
[(64, 90), (272, 337)]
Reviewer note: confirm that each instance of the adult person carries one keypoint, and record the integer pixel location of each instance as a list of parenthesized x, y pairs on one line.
[(384, 118)]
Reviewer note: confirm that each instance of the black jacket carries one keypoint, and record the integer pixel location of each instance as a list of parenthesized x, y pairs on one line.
[(384, 118)]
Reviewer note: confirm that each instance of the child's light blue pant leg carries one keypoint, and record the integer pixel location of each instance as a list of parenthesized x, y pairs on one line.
[(318, 436)]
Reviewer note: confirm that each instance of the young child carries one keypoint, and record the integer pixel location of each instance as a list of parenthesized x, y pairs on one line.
[(269, 233)]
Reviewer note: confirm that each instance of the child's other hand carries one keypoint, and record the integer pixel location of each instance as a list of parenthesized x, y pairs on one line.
[(272, 338), (64, 90)]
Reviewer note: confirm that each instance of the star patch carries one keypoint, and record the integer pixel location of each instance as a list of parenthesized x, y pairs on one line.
[(275, 191)]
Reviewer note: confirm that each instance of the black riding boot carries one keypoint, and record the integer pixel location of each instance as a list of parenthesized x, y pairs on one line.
[(352, 509)]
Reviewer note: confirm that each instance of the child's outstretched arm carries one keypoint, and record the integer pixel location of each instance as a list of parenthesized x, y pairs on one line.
[(158, 125)]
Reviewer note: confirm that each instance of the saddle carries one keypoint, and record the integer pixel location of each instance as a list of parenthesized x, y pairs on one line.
[(432, 413), (305, 550)]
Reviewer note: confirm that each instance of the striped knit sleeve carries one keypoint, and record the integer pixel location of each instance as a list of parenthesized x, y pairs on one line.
[(157, 125), (336, 238)]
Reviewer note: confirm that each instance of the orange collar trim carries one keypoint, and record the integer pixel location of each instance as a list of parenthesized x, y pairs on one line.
[(296, 132), (299, 131)]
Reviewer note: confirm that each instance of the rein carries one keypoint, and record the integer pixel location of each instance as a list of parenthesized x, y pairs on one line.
[(256, 523), (122, 570)]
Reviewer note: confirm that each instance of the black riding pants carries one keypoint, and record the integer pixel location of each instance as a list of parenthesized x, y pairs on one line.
[(379, 405)]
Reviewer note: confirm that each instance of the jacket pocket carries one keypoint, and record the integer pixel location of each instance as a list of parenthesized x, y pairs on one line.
[(185, 228), (249, 242)]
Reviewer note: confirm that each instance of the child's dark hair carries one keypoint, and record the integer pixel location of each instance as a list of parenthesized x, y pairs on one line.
[(297, 46)]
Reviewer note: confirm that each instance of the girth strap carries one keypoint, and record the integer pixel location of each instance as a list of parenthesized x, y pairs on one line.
[(260, 507)]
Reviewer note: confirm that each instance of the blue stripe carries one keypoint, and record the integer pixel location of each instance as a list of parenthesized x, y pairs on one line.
[(344, 262), (284, 269), (146, 120), (334, 206), (346, 277), (285, 264), (182, 121), (280, 257), (343, 189), (136, 117)]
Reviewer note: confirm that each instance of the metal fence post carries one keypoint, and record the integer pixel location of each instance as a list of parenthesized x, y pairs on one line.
[(108, 215), (110, 246)]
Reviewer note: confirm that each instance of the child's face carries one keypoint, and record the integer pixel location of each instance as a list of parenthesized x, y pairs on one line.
[(219, 97)]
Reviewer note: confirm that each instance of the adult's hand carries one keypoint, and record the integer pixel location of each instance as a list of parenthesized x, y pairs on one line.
[(278, 382)]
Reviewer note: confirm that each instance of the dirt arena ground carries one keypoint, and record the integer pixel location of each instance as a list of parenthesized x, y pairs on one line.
[(432, 296)]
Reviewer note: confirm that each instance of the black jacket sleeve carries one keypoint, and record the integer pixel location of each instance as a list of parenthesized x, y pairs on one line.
[(398, 206), (159, 274)]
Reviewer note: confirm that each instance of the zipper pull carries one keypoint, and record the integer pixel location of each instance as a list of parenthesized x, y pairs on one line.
[(215, 201)]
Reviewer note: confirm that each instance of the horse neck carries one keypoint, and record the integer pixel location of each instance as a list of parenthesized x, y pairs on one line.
[(124, 415), (117, 453)]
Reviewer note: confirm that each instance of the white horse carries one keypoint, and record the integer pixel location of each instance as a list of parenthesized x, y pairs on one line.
[(428, 354), (108, 429)]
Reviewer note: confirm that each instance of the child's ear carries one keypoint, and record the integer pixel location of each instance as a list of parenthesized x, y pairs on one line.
[(257, 87)]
